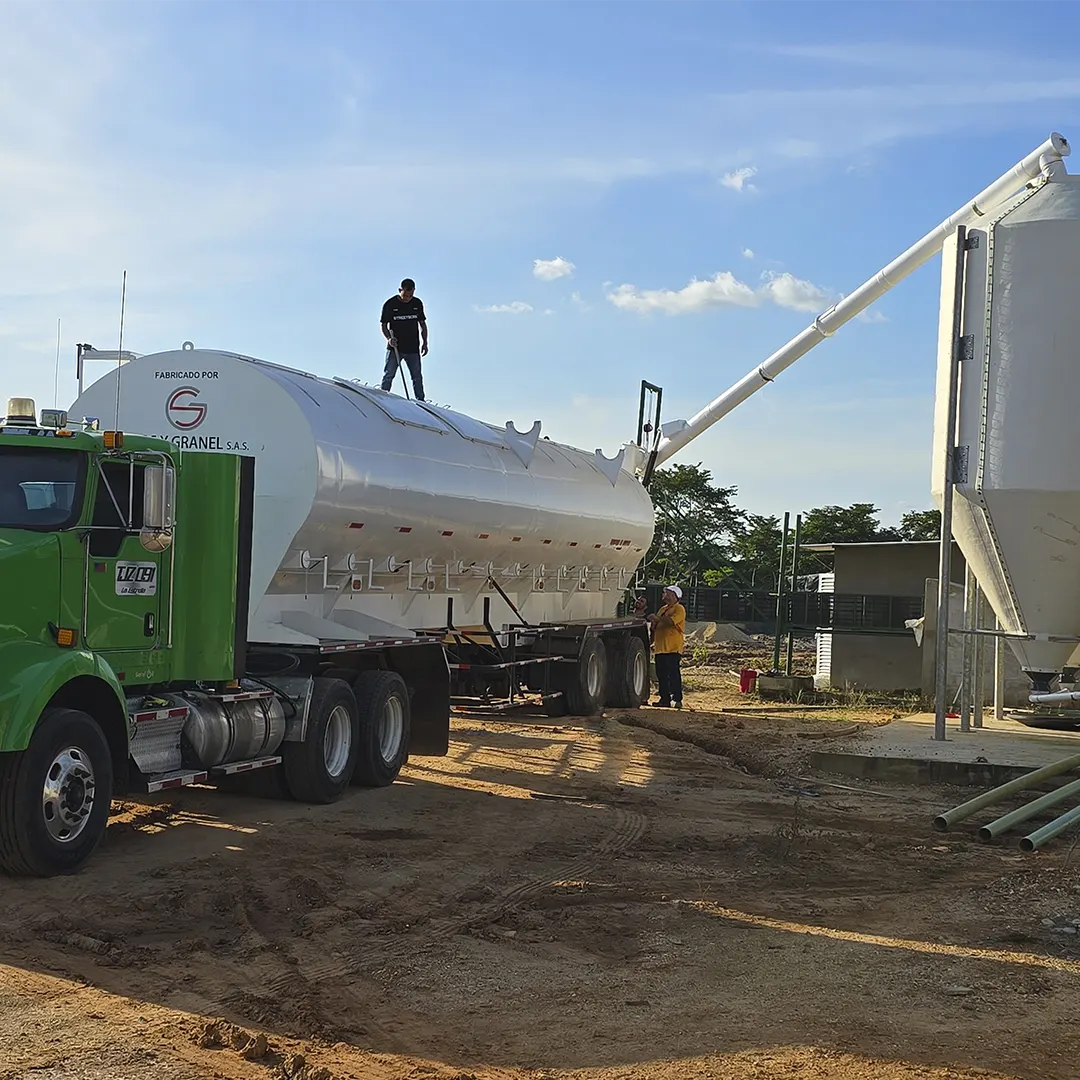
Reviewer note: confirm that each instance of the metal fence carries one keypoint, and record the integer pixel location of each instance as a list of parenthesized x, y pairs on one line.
[(803, 611)]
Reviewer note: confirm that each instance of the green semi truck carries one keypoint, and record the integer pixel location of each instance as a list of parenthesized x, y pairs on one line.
[(125, 663)]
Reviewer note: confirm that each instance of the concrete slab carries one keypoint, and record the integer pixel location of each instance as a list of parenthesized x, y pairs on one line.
[(905, 751), (784, 686)]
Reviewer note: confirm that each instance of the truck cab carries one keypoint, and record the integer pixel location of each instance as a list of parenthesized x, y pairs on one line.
[(85, 563)]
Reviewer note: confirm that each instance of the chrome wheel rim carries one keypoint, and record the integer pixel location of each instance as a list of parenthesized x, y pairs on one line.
[(337, 741), (592, 674), (67, 795), (639, 674), (391, 728)]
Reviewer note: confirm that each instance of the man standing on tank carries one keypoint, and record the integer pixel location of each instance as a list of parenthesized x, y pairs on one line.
[(404, 325)]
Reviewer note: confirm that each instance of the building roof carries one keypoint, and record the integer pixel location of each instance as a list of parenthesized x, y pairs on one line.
[(871, 544)]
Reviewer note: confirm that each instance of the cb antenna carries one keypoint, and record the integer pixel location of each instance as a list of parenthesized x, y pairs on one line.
[(56, 372), (120, 351)]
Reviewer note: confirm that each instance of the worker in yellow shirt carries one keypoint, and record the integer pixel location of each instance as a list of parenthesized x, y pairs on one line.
[(669, 629)]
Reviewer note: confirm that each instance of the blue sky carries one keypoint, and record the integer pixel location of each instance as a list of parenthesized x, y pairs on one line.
[(268, 172)]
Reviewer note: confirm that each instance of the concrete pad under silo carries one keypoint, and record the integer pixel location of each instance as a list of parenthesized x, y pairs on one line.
[(905, 751)]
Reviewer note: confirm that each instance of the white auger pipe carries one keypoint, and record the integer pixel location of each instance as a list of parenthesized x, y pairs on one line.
[(1059, 697), (1044, 159)]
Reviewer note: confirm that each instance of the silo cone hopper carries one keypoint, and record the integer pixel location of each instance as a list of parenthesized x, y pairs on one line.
[(1015, 458)]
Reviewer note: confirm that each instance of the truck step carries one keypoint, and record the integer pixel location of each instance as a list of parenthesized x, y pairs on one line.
[(227, 696), (245, 766), (143, 716), (164, 781)]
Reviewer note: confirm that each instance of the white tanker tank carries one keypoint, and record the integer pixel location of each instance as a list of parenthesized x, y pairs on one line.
[(372, 510), (1016, 514)]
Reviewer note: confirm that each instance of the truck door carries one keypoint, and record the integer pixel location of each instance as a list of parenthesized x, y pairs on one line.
[(124, 584)]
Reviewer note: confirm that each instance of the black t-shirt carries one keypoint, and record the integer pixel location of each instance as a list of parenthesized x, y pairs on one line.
[(404, 318)]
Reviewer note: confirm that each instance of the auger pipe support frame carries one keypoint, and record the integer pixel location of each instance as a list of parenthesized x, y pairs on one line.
[(1044, 160)]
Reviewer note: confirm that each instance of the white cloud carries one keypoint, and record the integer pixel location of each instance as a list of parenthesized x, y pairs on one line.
[(549, 311), (724, 289), (787, 291), (739, 180), (515, 307), (581, 305), (721, 290), (552, 269), (780, 288), (747, 253)]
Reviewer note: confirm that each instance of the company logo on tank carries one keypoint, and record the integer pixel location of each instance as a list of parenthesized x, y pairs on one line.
[(186, 411)]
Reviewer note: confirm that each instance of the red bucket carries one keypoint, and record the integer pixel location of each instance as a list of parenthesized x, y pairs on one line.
[(747, 680)]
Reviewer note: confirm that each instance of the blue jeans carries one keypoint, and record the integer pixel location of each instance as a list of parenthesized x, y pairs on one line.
[(391, 370)]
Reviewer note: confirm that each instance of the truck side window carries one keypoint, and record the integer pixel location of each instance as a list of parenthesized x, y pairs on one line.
[(112, 502)]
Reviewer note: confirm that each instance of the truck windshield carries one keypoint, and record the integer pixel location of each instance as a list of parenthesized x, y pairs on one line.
[(39, 488)]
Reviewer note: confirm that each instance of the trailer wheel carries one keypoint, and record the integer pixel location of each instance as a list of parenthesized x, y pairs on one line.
[(587, 681), (318, 770), (629, 675), (55, 796), (385, 723)]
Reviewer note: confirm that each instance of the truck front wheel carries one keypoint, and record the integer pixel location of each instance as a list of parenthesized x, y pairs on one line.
[(55, 796)]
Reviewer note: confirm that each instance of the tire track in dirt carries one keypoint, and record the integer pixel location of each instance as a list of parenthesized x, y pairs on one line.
[(629, 827), (281, 975)]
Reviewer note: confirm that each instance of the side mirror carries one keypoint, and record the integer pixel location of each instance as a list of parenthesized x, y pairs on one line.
[(159, 497)]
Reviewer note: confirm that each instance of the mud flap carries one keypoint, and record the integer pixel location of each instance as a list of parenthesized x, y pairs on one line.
[(424, 669)]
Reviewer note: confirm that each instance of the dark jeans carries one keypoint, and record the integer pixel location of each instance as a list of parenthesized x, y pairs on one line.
[(391, 370), (669, 677)]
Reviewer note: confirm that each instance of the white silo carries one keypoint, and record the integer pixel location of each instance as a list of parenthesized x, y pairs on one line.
[(1016, 514)]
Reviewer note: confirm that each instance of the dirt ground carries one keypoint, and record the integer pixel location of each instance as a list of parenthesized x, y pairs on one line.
[(656, 894)]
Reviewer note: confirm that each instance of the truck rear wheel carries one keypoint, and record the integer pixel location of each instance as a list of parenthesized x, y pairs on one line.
[(629, 674), (586, 683), (55, 796), (383, 701), (318, 770)]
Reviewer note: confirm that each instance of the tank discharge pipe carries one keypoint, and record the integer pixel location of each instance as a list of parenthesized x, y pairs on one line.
[(972, 806), (1059, 697), (1045, 159)]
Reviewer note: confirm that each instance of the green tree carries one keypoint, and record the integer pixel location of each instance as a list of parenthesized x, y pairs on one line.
[(855, 524), (695, 520), (920, 525), (755, 552)]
